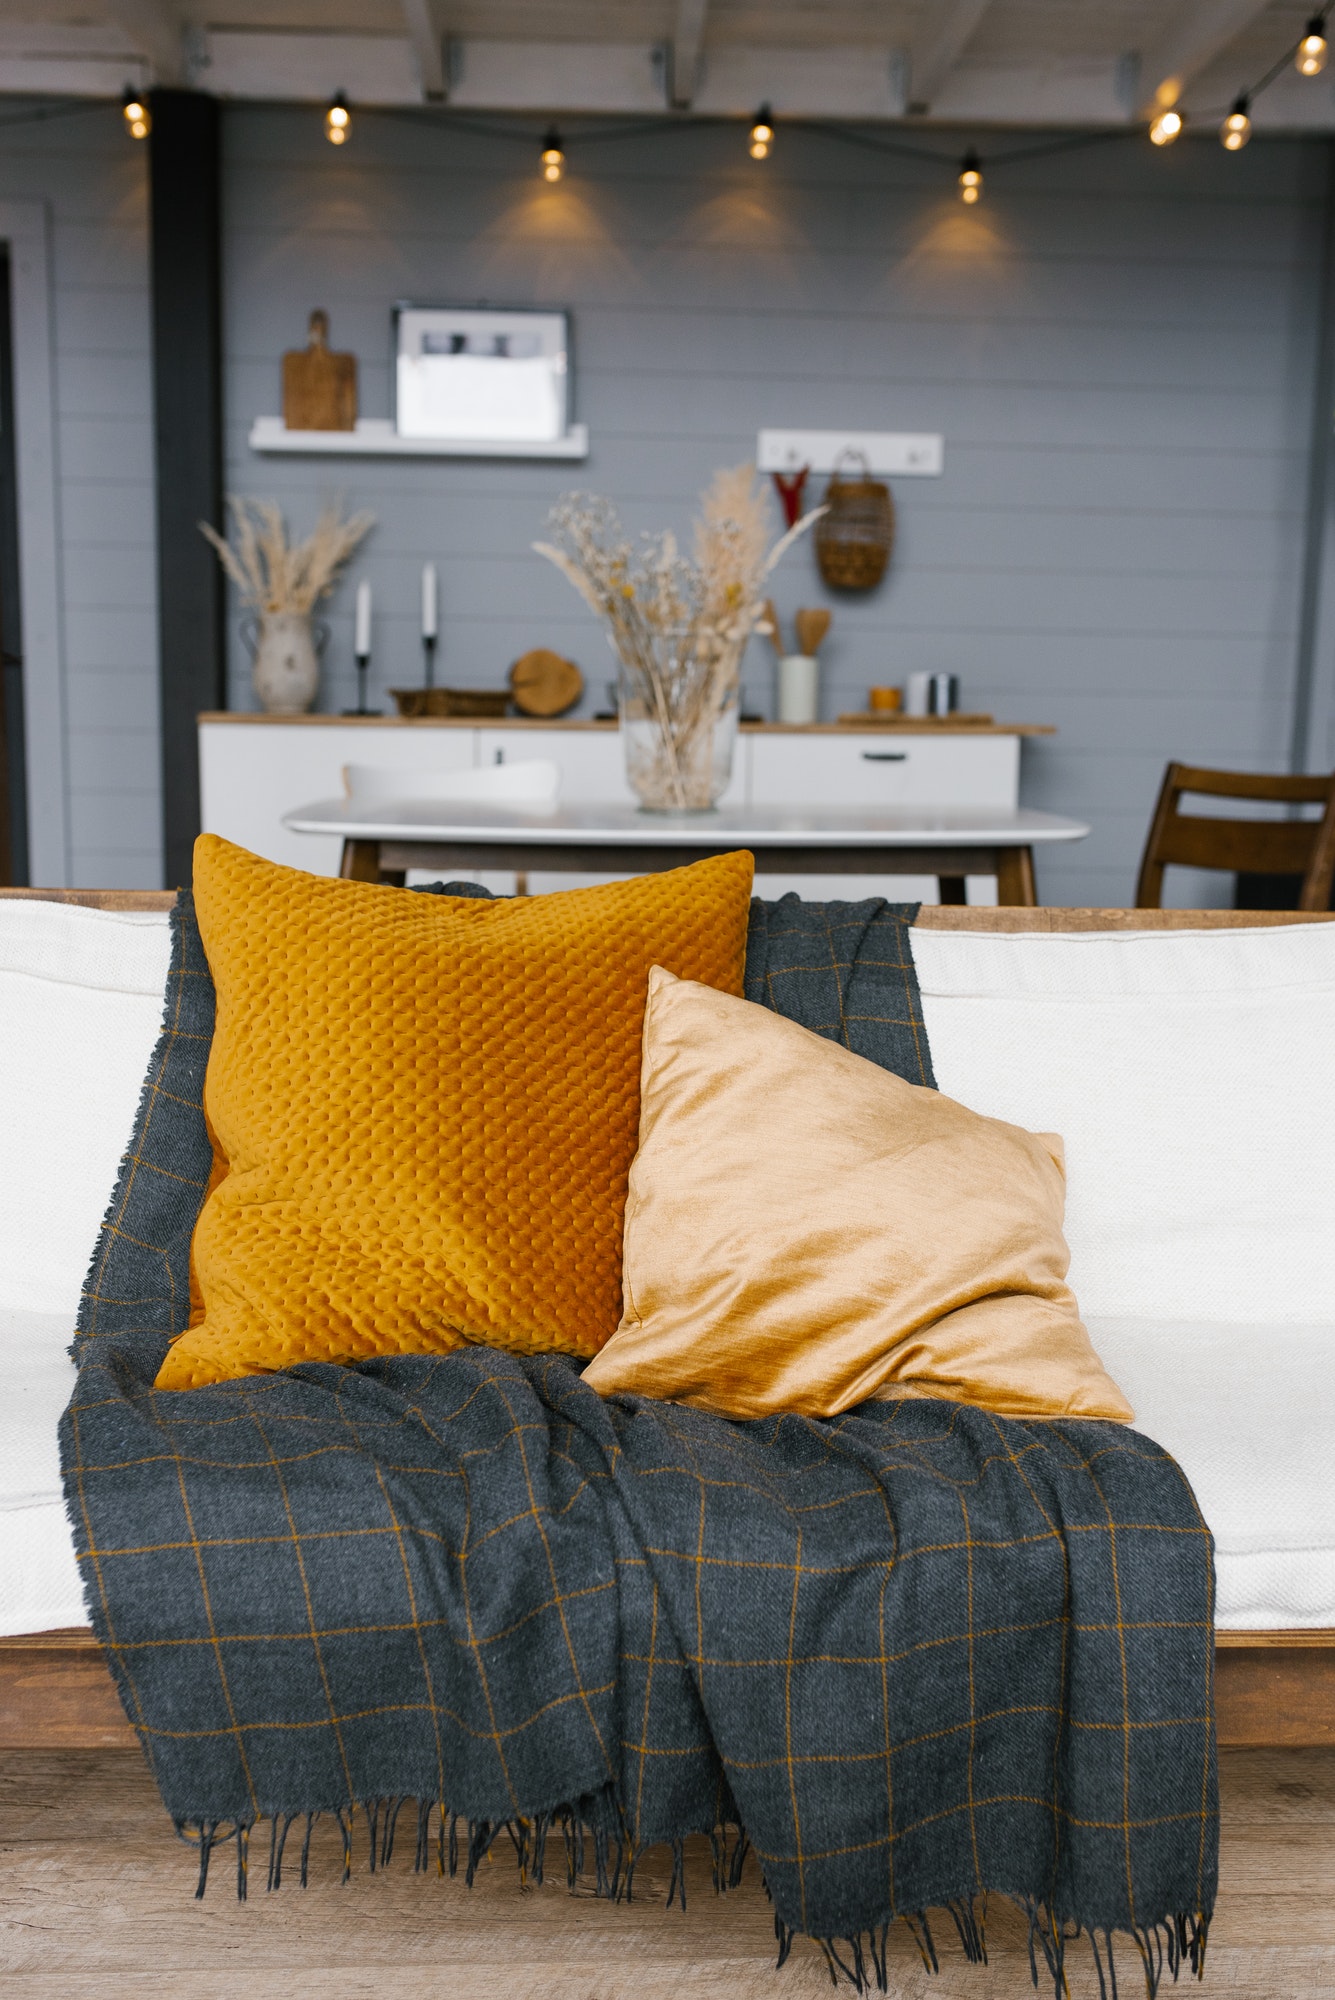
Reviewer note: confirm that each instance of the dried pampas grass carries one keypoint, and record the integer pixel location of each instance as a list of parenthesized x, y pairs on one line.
[(679, 626), (274, 575)]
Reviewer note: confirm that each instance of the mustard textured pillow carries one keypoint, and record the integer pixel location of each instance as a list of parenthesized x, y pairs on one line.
[(805, 1231), (426, 1107)]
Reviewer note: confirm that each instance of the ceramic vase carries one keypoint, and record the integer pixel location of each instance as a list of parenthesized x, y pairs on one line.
[(286, 672)]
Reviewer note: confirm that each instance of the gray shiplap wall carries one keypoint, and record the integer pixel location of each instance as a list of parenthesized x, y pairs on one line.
[(94, 184), (1116, 345)]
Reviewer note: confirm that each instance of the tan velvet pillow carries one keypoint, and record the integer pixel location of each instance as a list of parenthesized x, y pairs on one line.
[(805, 1231)]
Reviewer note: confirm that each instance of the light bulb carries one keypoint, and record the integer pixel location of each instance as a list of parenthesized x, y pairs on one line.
[(1166, 127), (762, 134), (553, 157), (971, 179), (138, 123), (337, 122), (1236, 129), (1313, 49)]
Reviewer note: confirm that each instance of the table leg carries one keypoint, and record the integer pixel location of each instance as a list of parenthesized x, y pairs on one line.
[(952, 889), (1015, 877), (361, 861)]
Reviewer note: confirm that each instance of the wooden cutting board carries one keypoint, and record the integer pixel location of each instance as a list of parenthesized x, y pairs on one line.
[(319, 388), (543, 683)]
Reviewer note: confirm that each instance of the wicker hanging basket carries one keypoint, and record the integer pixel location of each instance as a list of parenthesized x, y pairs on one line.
[(855, 536)]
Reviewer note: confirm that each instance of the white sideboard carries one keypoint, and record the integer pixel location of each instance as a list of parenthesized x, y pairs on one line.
[(255, 768)]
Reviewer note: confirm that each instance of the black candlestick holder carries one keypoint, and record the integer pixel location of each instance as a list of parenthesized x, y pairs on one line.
[(428, 659), (363, 665)]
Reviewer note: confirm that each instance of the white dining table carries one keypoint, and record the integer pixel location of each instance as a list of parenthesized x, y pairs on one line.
[(381, 842)]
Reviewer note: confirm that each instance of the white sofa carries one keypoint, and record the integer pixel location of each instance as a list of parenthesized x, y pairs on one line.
[(1191, 1072)]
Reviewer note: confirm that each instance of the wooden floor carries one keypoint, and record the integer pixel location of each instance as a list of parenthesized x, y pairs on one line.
[(96, 1900)]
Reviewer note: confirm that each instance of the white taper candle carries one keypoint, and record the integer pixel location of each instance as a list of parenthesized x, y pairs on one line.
[(361, 644), (428, 600)]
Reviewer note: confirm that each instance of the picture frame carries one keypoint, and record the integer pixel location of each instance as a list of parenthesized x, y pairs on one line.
[(478, 375)]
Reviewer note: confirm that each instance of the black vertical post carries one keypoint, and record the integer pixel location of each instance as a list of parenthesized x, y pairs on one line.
[(1318, 479), (185, 177), (13, 772)]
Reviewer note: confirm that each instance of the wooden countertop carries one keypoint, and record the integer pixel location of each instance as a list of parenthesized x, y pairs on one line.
[(927, 725)]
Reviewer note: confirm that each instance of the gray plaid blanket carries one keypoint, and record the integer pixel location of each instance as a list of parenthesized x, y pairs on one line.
[(911, 1655)]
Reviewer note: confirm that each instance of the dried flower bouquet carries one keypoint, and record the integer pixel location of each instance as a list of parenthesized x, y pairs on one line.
[(273, 575), (678, 625)]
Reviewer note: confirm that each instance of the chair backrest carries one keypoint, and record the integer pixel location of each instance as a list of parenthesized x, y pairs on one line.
[(1304, 848), (534, 781)]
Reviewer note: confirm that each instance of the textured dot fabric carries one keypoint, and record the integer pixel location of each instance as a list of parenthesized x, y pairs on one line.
[(426, 1108), (806, 1232)]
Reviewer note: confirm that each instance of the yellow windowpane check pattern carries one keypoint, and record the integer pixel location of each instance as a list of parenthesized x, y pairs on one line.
[(917, 1653), (427, 1107), (845, 971)]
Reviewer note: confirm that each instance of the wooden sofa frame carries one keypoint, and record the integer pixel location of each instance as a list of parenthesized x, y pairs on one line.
[(1273, 1689)]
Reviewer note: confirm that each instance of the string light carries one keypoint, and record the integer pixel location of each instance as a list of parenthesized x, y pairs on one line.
[(337, 121), (1166, 127), (1236, 129), (762, 133), (135, 112), (971, 178), (553, 156), (1313, 49)]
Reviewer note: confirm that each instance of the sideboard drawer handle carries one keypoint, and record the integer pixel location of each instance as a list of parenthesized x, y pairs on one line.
[(885, 756)]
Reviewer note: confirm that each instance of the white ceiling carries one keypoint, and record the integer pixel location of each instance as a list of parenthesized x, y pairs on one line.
[(1016, 62)]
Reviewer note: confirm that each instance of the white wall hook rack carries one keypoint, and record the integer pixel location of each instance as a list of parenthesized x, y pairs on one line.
[(912, 454)]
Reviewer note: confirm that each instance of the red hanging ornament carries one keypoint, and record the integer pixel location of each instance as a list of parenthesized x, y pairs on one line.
[(790, 486)]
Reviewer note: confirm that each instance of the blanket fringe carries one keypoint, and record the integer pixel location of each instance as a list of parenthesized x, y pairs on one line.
[(597, 1842)]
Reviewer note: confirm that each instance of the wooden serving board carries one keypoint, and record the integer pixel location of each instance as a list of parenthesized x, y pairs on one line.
[(545, 684), (319, 388), (896, 719)]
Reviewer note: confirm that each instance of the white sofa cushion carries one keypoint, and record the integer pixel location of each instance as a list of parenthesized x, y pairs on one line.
[(1255, 1447), (1248, 1412), (81, 1002), (1192, 1077), (40, 1590)]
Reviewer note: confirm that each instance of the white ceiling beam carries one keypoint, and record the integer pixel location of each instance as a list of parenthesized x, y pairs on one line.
[(835, 82), (428, 46), (943, 32), (309, 68), (688, 36), (1188, 45), (154, 29)]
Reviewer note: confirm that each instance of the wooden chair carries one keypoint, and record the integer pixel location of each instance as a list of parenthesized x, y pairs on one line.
[(1303, 849)]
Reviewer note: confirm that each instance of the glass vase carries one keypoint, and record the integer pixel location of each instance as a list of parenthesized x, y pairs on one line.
[(678, 752)]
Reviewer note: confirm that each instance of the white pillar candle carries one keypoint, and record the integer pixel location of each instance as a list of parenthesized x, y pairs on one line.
[(428, 600), (799, 687), (361, 644)]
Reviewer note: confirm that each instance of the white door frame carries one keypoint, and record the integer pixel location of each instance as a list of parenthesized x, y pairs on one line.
[(23, 227)]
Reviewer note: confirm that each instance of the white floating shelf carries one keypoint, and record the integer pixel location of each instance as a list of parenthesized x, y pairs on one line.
[(376, 437), (917, 454)]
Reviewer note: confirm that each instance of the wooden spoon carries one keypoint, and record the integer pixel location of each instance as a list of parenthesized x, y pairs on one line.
[(811, 629)]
